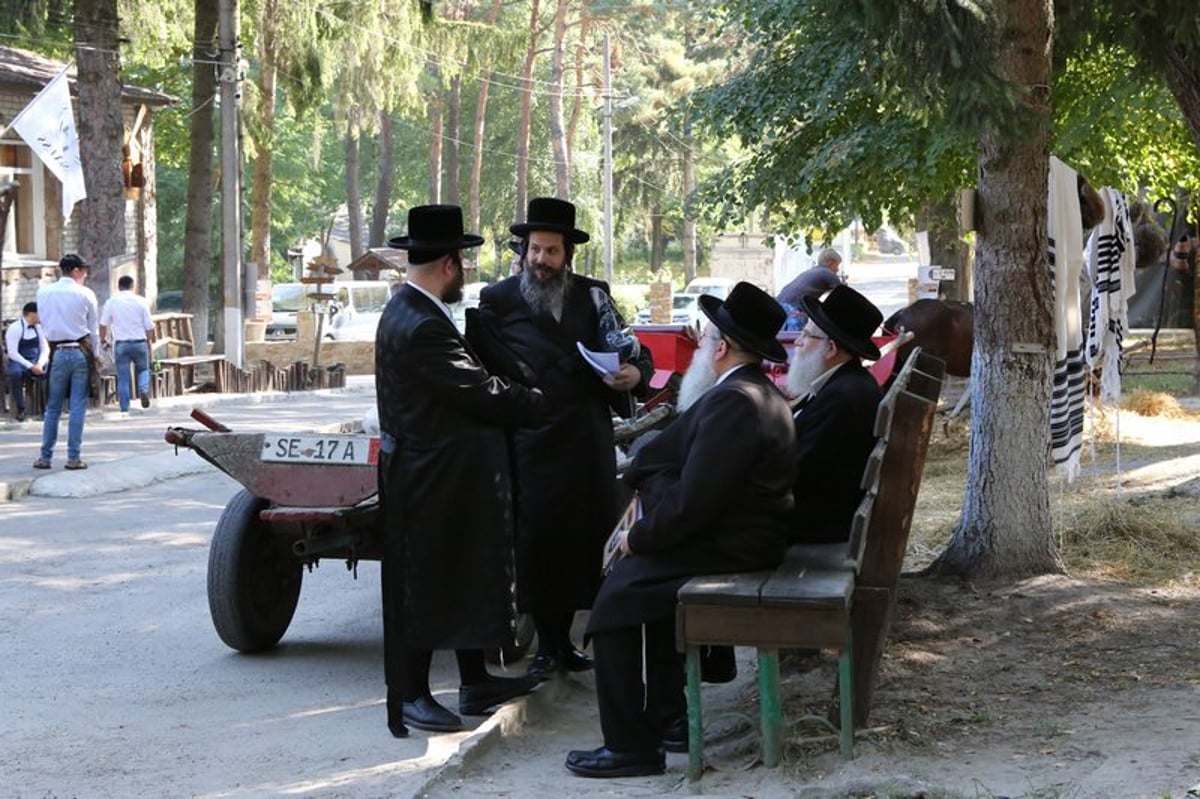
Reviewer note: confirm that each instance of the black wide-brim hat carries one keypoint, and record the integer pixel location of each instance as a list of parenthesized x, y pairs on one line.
[(436, 228), (749, 316), (848, 318), (553, 214)]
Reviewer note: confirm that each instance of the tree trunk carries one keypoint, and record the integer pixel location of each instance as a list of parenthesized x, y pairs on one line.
[(383, 188), (558, 134), (485, 85), (263, 133), (435, 150), (101, 223), (1005, 527), (1183, 77), (197, 241), (353, 193), (453, 103), (577, 101), (946, 247), (526, 111), (689, 216)]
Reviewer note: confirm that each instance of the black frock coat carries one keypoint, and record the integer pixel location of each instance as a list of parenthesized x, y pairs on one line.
[(835, 432), (445, 484), (566, 462), (716, 491)]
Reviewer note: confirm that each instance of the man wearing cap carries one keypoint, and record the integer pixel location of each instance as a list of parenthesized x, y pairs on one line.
[(836, 399), (530, 324), (716, 491), (445, 488), (70, 321)]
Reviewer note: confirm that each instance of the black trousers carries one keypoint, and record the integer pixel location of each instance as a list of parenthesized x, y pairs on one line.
[(634, 713)]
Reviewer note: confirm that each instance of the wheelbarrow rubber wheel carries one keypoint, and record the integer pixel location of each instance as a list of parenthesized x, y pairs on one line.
[(507, 655), (253, 578)]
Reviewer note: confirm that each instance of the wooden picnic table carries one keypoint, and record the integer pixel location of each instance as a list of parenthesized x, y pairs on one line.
[(181, 371)]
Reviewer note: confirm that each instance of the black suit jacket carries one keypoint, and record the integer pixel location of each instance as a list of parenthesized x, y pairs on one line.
[(716, 494), (835, 433), (445, 483)]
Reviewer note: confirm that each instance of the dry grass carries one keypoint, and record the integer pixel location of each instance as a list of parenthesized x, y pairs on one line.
[(1154, 403), (1147, 538)]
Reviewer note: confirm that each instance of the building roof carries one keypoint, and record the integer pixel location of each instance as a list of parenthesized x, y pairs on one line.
[(31, 70), (380, 258)]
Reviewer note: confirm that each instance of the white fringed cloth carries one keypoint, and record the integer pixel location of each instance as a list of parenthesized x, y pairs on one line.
[(1110, 266), (1064, 229)]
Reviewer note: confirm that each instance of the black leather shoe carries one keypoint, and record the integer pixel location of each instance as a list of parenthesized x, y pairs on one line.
[(571, 659), (675, 735), (604, 762), (542, 666), (480, 698), (427, 714)]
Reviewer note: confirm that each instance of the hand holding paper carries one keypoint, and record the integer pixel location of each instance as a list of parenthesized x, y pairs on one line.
[(605, 364)]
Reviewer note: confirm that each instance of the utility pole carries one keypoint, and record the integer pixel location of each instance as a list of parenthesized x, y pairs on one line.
[(608, 164), (231, 181)]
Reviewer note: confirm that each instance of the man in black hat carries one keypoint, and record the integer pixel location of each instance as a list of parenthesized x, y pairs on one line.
[(836, 399), (716, 492), (444, 486), (530, 324)]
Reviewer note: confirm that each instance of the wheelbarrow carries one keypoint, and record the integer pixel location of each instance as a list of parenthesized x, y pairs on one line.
[(306, 496)]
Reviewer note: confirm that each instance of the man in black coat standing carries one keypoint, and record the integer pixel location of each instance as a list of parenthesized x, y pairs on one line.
[(528, 326), (444, 486), (836, 401), (716, 493)]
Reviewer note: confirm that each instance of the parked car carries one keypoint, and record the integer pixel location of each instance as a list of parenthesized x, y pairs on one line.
[(356, 308), (888, 242), (287, 299), (685, 310), (718, 287)]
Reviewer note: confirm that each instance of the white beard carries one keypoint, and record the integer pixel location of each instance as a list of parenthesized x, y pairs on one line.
[(803, 370), (700, 376)]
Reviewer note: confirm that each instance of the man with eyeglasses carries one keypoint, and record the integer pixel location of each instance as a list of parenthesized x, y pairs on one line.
[(715, 487), (835, 399)]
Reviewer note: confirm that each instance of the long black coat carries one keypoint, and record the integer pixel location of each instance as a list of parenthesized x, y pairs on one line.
[(835, 432), (716, 490), (445, 485), (566, 463)]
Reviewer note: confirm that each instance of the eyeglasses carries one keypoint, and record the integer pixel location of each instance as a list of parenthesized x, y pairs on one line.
[(806, 334)]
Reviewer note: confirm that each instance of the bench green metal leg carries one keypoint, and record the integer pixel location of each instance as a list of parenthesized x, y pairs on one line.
[(846, 698), (770, 706), (695, 722)]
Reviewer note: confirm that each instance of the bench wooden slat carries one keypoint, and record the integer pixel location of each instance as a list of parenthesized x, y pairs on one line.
[(763, 627), (800, 586), (724, 589), (870, 478), (831, 555)]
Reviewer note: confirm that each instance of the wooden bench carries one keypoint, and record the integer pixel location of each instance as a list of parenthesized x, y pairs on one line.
[(827, 596)]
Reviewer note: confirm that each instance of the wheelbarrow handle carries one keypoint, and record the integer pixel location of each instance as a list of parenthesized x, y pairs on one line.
[(209, 422)]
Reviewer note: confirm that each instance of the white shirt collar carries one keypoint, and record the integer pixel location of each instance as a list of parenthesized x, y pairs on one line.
[(436, 301), (728, 372)]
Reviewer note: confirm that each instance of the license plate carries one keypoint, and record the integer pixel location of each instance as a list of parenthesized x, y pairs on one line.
[(331, 450)]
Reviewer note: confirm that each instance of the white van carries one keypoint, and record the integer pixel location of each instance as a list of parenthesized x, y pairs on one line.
[(356, 308), (718, 287)]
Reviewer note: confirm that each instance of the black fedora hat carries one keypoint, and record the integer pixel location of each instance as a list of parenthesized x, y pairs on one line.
[(553, 214), (749, 316), (436, 228), (848, 317)]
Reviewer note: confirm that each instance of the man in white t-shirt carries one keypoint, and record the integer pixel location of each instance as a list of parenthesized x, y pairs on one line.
[(126, 316)]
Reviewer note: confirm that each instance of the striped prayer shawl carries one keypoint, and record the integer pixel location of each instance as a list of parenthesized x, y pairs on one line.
[(1065, 254), (1110, 265)]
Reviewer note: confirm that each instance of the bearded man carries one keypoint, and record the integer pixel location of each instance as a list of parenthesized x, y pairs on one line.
[(528, 327), (715, 488), (835, 403)]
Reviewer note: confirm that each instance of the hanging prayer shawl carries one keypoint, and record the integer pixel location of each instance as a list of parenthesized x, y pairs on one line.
[(1110, 264), (1065, 231)]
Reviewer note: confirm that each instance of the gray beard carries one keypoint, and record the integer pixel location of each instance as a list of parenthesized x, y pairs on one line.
[(545, 297), (802, 371), (700, 376)]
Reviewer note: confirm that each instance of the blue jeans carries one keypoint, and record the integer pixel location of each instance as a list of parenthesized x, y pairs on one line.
[(68, 374), (16, 381), (137, 354)]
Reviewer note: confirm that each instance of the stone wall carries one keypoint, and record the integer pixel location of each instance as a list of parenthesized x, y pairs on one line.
[(358, 356)]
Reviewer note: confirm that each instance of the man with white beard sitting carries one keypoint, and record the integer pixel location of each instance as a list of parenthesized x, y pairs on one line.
[(835, 399), (715, 487)]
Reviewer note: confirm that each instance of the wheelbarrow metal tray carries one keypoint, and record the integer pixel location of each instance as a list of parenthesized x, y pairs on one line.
[(305, 470)]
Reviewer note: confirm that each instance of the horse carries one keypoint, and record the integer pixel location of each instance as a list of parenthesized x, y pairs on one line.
[(943, 328)]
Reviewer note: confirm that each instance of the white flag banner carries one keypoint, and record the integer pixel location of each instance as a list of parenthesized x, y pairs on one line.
[(47, 125)]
